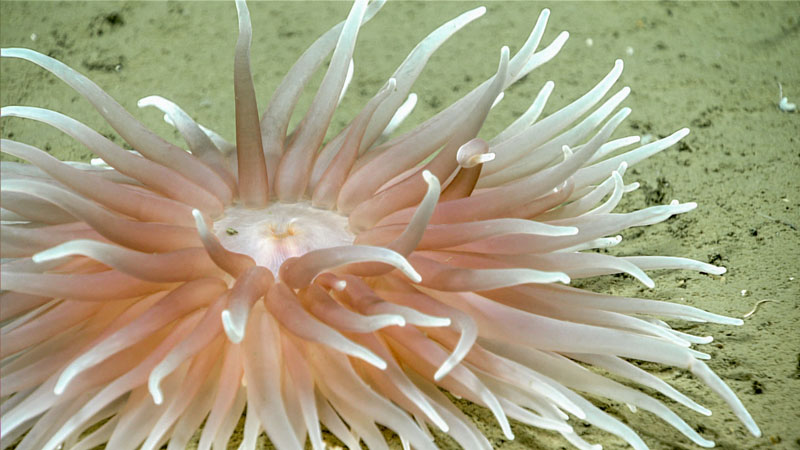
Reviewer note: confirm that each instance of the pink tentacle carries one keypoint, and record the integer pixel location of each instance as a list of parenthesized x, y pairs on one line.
[(410, 191), (179, 265), (329, 186), (262, 354), (232, 262), (24, 241), (147, 208), (253, 284), (95, 287), (133, 131), (161, 179), (145, 236), (253, 182), (295, 167), (284, 305)]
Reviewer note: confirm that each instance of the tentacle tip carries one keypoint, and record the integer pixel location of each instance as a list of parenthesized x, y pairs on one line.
[(47, 255), (234, 333), (61, 384), (570, 231), (377, 362), (443, 371), (155, 391), (409, 271), (168, 120), (680, 208), (146, 101), (430, 178), (39, 258), (579, 413)]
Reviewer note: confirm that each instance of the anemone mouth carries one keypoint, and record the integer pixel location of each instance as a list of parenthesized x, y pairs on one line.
[(280, 231)]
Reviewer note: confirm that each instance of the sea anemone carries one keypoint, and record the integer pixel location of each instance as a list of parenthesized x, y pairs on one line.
[(339, 282)]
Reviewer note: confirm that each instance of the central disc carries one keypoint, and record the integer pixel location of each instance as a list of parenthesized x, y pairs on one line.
[(281, 231)]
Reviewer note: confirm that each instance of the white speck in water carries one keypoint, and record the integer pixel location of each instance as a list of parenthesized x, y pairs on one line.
[(784, 104)]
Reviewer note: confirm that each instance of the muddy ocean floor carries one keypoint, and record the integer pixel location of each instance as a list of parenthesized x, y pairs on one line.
[(714, 67)]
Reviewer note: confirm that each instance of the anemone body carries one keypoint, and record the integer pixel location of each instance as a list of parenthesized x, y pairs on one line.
[(338, 283)]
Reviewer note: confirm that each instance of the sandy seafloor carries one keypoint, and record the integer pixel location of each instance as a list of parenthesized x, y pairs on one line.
[(713, 67)]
